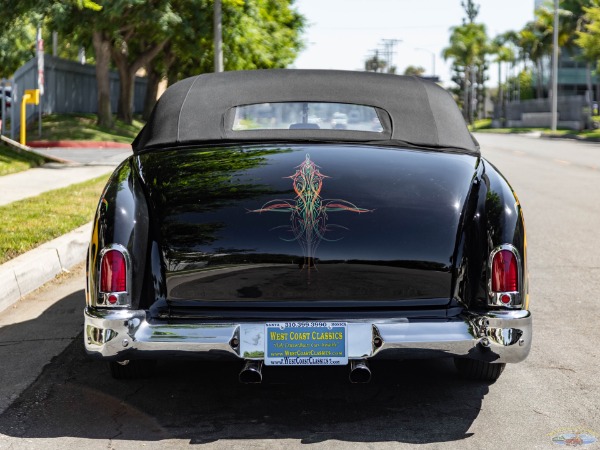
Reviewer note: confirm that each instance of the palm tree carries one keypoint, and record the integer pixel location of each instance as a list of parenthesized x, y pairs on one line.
[(533, 44), (504, 53), (468, 47), (544, 29)]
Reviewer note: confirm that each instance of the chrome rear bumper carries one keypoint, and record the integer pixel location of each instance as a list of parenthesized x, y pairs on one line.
[(497, 336)]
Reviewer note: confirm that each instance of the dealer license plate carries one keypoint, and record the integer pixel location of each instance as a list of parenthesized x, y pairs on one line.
[(306, 344)]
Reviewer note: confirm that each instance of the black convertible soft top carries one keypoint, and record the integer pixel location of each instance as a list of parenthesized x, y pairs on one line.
[(412, 111)]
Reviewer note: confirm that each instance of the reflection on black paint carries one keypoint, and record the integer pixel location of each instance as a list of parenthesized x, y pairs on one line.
[(182, 187), (493, 207), (214, 249)]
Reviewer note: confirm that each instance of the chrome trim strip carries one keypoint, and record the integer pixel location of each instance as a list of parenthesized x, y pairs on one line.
[(516, 298), (498, 336), (123, 298)]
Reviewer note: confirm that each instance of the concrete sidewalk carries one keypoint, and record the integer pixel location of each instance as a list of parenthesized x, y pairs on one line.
[(31, 270), (50, 176)]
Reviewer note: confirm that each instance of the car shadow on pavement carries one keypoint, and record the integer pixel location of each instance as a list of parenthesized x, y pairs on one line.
[(419, 401)]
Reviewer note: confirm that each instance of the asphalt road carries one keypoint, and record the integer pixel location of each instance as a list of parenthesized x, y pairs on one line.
[(73, 402)]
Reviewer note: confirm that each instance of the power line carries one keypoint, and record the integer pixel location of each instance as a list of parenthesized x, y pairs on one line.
[(388, 51)]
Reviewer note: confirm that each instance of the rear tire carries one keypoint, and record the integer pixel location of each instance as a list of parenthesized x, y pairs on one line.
[(141, 368), (473, 369)]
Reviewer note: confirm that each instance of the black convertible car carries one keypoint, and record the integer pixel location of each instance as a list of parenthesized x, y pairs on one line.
[(249, 225)]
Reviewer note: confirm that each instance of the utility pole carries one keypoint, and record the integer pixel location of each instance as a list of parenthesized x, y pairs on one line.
[(388, 51), (555, 68), (218, 37)]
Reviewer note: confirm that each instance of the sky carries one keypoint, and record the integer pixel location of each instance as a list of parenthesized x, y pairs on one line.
[(342, 33)]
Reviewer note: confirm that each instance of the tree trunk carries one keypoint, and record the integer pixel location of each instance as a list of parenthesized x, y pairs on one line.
[(597, 90), (549, 87), (481, 92), (102, 49), (471, 93), (154, 78), (589, 94), (499, 94), (505, 97), (125, 109), (126, 83), (466, 88), (540, 75), (127, 73)]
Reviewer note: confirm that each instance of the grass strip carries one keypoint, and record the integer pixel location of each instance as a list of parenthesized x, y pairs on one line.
[(485, 126), (12, 161), (83, 127), (514, 130), (481, 124), (589, 134), (30, 222), (592, 135)]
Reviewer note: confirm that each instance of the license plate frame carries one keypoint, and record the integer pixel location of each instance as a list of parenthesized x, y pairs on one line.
[(306, 343)]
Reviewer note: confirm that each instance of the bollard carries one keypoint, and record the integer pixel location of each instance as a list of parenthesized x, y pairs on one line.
[(30, 97)]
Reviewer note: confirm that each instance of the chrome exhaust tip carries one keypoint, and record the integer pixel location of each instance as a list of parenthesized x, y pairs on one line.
[(251, 373), (359, 371)]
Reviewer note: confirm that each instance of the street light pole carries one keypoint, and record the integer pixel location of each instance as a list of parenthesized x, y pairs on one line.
[(432, 59), (555, 69), (218, 37)]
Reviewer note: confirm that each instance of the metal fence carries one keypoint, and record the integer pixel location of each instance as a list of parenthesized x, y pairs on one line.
[(70, 87)]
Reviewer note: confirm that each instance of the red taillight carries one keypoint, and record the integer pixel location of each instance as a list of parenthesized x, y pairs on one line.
[(505, 273), (113, 272)]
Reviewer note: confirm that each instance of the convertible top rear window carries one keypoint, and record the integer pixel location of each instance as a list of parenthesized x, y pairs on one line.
[(306, 115)]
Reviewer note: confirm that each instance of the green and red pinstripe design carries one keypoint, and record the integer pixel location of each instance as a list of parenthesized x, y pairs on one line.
[(309, 211)]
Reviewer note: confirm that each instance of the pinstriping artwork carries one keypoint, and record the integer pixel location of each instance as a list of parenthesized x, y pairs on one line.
[(308, 211)]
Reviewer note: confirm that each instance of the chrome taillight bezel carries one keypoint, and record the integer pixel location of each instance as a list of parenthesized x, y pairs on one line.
[(516, 297), (123, 297)]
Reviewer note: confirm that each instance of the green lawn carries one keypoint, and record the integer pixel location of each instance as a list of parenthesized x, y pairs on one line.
[(590, 134), (82, 127), (483, 126), (516, 130), (27, 223), (13, 161)]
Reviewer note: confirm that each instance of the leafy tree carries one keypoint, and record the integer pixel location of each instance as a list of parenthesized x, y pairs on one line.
[(18, 45), (526, 85), (375, 63), (18, 12), (588, 39), (133, 33), (20, 19), (259, 34), (414, 71), (129, 33)]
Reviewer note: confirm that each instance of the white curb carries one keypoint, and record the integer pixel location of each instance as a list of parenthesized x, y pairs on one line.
[(29, 271)]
